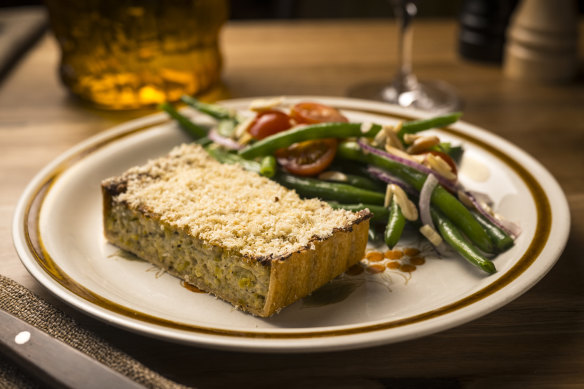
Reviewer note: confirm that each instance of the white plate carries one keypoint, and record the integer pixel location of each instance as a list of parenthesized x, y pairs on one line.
[(58, 234)]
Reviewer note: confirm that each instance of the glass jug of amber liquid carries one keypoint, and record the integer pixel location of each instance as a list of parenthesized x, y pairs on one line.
[(127, 54)]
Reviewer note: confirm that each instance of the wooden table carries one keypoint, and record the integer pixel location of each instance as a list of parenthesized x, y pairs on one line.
[(535, 341)]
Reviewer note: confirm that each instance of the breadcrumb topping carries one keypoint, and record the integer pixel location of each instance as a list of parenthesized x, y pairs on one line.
[(227, 206)]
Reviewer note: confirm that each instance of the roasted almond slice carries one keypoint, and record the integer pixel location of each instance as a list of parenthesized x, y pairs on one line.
[(431, 234), (423, 143), (331, 175), (436, 163), (408, 208)]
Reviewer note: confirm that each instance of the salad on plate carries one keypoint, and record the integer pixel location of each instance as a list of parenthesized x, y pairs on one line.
[(403, 173)]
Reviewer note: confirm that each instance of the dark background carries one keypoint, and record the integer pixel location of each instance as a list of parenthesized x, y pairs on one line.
[(257, 9), (290, 9), (293, 9)]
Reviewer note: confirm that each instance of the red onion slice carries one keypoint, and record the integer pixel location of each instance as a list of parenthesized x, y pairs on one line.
[(508, 226), (424, 201), (425, 213), (228, 143), (480, 197), (446, 183), (388, 178), (513, 229)]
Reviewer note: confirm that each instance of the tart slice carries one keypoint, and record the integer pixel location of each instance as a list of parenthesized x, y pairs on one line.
[(230, 232)]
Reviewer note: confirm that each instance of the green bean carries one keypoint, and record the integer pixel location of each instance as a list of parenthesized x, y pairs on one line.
[(215, 111), (454, 237), (192, 129), (395, 224), (462, 218), (299, 134), (343, 193), (358, 181), (441, 198), (337, 130), (204, 141), (380, 213), (226, 127), (309, 187), (350, 150), (356, 168), (413, 127), (229, 158), (454, 152), (268, 166), (501, 240), (350, 167)]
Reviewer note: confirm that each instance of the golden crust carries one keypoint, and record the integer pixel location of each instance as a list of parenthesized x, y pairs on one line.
[(307, 270)]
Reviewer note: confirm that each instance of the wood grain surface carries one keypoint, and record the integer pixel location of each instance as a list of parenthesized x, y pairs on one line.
[(536, 341)]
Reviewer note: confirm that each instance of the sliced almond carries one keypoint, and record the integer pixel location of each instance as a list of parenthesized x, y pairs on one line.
[(245, 138), (365, 127), (397, 128), (397, 152), (380, 138), (463, 197), (391, 138), (243, 127), (419, 158), (408, 208), (436, 163), (431, 234), (388, 195), (332, 175), (423, 143), (410, 138)]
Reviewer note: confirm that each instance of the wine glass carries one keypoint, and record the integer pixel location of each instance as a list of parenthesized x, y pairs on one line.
[(405, 89)]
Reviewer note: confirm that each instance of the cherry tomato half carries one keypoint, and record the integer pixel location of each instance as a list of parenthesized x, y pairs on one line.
[(311, 113), (268, 123), (308, 158)]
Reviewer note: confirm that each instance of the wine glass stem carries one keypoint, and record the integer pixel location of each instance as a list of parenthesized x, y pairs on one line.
[(405, 80)]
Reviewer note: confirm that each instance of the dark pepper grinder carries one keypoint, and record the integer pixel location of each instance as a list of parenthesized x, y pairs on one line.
[(483, 25)]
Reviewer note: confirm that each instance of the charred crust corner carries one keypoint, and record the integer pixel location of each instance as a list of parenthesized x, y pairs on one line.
[(264, 260), (363, 215), (114, 187)]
